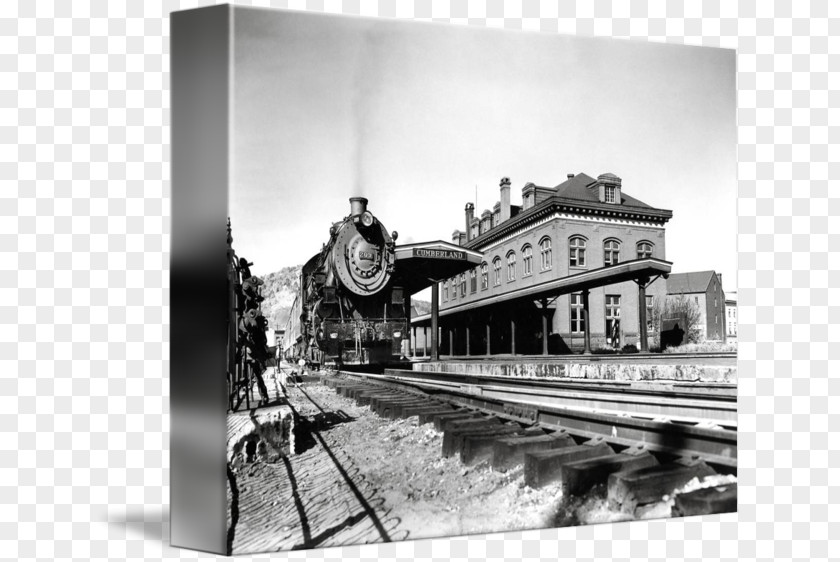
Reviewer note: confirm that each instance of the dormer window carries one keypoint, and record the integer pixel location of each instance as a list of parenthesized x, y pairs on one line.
[(609, 189)]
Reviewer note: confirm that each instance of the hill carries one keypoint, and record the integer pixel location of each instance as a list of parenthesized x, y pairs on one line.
[(423, 307), (279, 290)]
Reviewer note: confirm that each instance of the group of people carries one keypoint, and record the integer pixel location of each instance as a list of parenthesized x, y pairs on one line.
[(252, 344), (252, 327)]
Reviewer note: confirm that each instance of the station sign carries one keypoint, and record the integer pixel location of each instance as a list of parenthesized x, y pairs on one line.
[(439, 254)]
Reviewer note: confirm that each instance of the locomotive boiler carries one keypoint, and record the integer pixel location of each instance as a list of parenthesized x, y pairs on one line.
[(350, 311)]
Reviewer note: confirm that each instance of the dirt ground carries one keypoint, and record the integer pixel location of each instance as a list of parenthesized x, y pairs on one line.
[(434, 496), (357, 478)]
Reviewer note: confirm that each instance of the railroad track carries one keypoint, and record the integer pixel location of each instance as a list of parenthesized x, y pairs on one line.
[(679, 402), (555, 432)]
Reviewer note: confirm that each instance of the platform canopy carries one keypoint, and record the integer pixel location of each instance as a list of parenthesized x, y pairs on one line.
[(421, 265), (625, 271)]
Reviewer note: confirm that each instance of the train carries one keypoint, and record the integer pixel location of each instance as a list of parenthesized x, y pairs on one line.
[(350, 308)]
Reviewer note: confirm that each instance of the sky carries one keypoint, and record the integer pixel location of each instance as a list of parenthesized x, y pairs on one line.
[(422, 118)]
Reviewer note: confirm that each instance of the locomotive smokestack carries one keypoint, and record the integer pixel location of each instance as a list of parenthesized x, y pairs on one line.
[(358, 205)]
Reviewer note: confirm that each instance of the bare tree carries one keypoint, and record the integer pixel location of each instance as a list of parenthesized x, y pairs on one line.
[(677, 306)]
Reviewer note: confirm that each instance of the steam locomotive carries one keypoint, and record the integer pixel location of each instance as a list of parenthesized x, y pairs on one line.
[(350, 309)]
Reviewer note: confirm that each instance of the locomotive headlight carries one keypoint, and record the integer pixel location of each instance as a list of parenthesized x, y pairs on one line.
[(334, 335), (367, 219), (397, 334)]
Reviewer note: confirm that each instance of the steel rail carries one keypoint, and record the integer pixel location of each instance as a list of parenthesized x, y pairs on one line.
[(681, 402), (715, 444)]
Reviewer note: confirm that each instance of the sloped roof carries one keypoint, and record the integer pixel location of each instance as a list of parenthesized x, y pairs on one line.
[(578, 188), (575, 188), (691, 282)]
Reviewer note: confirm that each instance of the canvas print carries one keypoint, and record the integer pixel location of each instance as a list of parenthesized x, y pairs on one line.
[(478, 281)]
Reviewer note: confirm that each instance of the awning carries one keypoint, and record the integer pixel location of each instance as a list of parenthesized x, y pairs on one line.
[(421, 265), (624, 271)]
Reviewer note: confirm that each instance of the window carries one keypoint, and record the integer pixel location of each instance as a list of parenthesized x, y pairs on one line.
[(577, 252), (511, 266), (577, 322), (445, 292), (644, 250), (609, 193), (483, 276), (527, 259), (463, 284), (454, 288), (497, 271), (473, 281), (612, 317), (545, 254), (611, 248), (649, 307)]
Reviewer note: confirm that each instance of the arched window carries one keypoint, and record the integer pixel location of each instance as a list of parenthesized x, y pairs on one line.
[(497, 271), (473, 283), (511, 265), (527, 259), (463, 284), (644, 249), (454, 288), (483, 276), (545, 254), (577, 252), (611, 249)]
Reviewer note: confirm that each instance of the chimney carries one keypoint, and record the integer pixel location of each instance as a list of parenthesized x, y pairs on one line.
[(720, 280), (468, 212), (358, 205), (504, 196), (570, 176)]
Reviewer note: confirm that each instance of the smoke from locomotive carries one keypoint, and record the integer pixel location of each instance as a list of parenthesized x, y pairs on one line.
[(349, 310)]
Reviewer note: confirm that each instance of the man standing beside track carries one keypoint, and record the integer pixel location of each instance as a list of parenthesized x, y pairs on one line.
[(302, 368)]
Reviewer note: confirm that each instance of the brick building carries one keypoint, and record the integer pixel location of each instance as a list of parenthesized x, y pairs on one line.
[(581, 226), (705, 289)]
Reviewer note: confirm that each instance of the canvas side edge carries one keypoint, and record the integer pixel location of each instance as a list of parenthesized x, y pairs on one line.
[(200, 51)]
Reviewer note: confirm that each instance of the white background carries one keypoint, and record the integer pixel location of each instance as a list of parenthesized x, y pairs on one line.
[(84, 238)]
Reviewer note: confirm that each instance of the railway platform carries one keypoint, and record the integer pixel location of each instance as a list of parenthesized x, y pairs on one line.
[(709, 368)]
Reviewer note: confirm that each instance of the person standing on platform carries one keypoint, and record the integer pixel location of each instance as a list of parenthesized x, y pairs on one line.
[(615, 334)]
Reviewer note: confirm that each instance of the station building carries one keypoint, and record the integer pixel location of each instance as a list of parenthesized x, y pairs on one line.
[(558, 238)]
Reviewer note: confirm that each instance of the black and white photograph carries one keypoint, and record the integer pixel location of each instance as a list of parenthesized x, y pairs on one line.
[(430, 280), (478, 281)]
